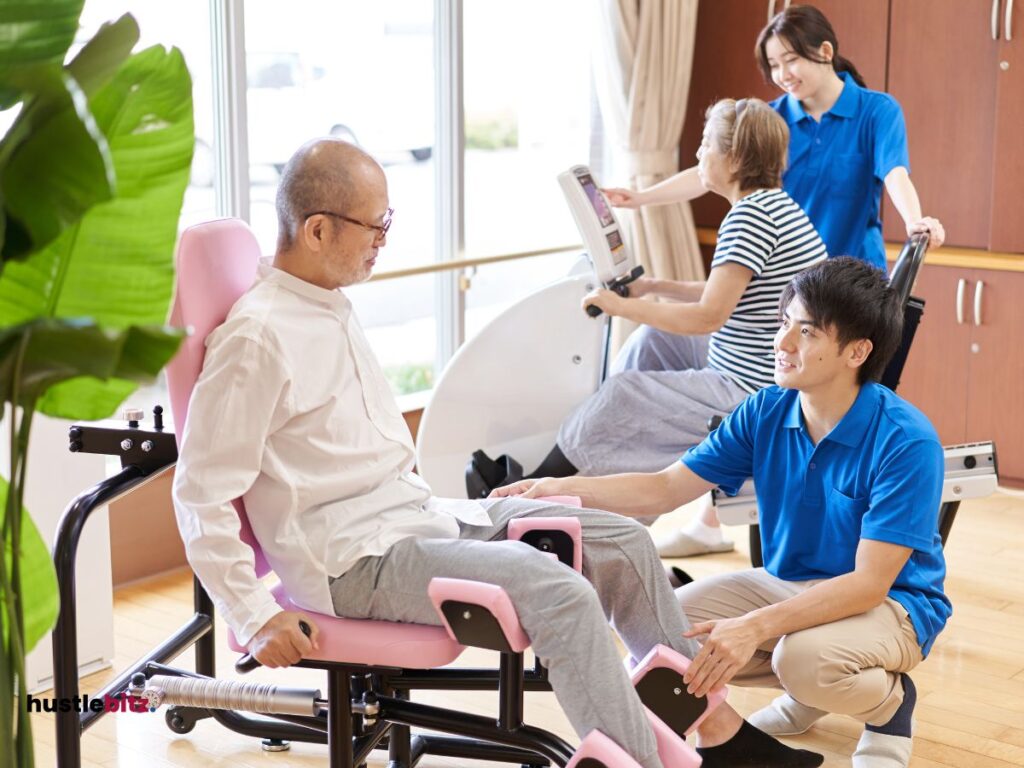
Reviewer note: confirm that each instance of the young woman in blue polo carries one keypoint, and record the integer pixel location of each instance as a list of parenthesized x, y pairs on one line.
[(846, 142)]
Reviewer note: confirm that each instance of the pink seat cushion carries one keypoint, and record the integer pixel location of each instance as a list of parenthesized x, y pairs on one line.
[(599, 747), (375, 643)]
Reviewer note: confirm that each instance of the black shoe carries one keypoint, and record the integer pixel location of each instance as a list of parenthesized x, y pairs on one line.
[(484, 474), (677, 577), (751, 748)]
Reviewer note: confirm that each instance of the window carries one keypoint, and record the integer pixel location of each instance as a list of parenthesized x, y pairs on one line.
[(362, 72), (165, 24), (366, 73), (527, 118)]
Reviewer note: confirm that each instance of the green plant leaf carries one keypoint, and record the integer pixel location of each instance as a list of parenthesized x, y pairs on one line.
[(116, 264), (144, 352), (55, 351), (39, 596), (54, 163), (34, 32), (104, 54)]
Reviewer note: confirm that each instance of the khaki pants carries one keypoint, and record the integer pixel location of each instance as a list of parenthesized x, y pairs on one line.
[(850, 666)]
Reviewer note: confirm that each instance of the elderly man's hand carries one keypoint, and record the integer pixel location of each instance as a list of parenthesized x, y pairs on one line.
[(280, 642)]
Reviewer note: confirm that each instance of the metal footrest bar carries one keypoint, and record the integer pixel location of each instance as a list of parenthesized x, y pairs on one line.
[(533, 740)]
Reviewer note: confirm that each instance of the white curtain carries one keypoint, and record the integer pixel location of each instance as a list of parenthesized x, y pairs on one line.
[(642, 72)]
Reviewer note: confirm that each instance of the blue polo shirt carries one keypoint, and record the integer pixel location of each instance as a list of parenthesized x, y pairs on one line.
[(837, 166), (877, 475)]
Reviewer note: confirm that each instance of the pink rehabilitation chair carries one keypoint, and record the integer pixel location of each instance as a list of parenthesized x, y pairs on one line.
[(373, 666)]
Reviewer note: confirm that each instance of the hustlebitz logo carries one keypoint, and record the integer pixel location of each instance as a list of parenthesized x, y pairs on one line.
[(86, 703)]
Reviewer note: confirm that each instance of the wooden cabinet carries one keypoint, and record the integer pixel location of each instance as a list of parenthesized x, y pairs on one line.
[(1008, 170), (966, 367), (723, 67), (962, 94), (935, 375), (949, 64), (724, 64), (950, 102)]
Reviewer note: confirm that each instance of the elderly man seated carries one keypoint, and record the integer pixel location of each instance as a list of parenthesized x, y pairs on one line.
[(292, 413)]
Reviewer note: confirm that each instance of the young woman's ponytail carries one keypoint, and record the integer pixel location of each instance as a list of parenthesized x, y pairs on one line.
[(843, 64)]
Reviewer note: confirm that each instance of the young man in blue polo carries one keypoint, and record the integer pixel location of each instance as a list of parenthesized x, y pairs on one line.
[(849, 481)]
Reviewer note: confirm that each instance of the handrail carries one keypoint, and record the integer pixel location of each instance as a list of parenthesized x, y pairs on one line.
[(447, 266)]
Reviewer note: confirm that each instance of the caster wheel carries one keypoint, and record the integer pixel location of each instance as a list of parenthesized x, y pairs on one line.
[(177, 722)]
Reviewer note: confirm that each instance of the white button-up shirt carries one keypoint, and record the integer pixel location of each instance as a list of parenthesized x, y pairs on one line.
[(292, 413)]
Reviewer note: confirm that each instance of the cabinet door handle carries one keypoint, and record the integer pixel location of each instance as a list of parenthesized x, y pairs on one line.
[(784, 7), (771, 9), (979, 289), (961, 288), (995, 19), (1008, 20)]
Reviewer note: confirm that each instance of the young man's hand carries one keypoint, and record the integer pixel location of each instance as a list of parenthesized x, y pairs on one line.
[(730, 644), (530, 489), (280, 642)]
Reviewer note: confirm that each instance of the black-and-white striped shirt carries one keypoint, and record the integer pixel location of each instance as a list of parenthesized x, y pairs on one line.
[(771, 235)]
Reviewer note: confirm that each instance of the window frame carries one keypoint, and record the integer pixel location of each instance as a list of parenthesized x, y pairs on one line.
[(231, 154)]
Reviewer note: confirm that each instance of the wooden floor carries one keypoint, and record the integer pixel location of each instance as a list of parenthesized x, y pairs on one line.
[(971, 689)]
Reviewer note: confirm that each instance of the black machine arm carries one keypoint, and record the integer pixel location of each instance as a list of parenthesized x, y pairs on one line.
[(619, 285)]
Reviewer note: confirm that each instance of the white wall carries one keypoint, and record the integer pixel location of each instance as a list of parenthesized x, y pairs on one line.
[(55, 477)]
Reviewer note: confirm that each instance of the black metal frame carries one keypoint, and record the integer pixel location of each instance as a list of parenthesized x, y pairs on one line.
[(349, 733)]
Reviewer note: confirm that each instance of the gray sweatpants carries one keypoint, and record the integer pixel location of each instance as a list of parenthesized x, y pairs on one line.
[(564, 614), (654, 405)]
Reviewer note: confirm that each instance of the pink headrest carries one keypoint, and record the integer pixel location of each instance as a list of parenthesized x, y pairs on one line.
[(216, 264)]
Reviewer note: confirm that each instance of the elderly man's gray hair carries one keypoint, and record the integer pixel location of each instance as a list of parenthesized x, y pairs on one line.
[(317, 178)]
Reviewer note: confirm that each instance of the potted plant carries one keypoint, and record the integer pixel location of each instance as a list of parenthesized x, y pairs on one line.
[(93, 171)]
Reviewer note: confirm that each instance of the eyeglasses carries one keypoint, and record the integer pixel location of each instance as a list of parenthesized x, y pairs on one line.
[(381, 229)]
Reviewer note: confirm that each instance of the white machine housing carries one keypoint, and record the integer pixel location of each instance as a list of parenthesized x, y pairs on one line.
[(508, 389), (970, 473)]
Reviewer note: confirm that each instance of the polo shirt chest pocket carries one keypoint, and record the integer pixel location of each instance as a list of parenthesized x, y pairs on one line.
[(845, 515), (846, 174)]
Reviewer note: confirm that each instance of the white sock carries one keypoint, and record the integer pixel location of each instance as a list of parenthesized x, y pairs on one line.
[(882, 750), (705, 534), (785, 717)]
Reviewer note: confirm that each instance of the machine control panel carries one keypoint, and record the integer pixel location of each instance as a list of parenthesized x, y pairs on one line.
[(602, 236)]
